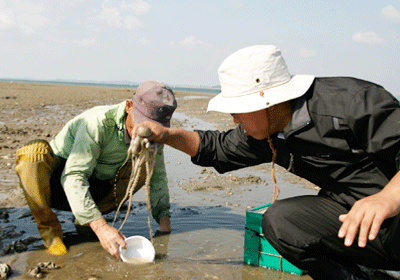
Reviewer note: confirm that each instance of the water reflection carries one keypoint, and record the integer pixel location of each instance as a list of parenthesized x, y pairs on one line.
[(206, 243)]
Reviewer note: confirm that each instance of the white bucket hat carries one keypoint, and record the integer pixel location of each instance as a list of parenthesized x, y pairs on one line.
[(255, 78)]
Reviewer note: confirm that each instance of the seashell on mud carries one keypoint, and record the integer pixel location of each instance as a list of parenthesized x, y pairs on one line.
[(40, 270)]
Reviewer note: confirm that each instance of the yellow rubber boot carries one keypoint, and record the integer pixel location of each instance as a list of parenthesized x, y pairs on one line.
[(35, 164), (57, 247)]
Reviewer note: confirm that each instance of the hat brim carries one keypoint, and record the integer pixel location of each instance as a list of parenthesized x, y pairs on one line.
[(252, 102), (138, 118)]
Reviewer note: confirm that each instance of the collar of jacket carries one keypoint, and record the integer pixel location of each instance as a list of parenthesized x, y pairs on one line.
[(300, 117)]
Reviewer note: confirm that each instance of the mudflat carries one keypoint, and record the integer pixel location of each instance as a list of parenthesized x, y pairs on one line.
[(39, 111), (207, 209)]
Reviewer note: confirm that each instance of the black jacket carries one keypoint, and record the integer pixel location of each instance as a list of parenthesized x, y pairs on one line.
[(344, 137)]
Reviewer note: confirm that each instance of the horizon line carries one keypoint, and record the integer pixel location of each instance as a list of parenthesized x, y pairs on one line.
[(110, 83)]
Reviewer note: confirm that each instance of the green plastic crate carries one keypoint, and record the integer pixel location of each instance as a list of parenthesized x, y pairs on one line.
[(257, 250)]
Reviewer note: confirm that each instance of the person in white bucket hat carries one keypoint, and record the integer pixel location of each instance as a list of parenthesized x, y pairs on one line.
[(340, 133), (255, 78)]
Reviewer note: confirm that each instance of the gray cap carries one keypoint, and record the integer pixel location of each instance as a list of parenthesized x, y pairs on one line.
[(154, 101)]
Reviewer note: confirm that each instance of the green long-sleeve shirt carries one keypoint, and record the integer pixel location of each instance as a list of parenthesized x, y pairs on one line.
[(95, 144)]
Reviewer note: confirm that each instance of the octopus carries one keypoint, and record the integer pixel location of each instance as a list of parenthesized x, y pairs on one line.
[(142, 152)]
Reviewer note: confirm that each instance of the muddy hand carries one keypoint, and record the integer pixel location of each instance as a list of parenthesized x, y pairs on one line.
[(140, 141), (144, 132), (110, 238), (157, 133)]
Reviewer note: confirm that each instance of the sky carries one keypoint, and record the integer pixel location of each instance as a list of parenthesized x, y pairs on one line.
[(183, 42)]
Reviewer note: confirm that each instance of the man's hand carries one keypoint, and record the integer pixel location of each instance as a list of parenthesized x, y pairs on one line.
[(366, 217), (181, 139), (159, 132), (110, 238)]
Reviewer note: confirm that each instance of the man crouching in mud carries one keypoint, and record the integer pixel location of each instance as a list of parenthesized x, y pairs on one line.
[(81, 169), (340, 133)]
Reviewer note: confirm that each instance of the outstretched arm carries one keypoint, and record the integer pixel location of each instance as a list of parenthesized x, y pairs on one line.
[(183, 140)]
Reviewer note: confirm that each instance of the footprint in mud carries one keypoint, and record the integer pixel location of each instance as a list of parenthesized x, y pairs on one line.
[(9, 232), (19, 246), (4, 215), (186, 211), (12, 238), (135, 208)]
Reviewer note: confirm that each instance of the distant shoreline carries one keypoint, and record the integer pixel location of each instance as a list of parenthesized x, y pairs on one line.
[(214, 90)]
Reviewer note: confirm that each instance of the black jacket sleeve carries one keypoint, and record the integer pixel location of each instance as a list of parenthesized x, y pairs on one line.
[(230, 150)]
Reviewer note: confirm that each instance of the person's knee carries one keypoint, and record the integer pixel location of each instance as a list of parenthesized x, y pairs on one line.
[(36, 151), (273, 214), (277, 219), (279, 230)]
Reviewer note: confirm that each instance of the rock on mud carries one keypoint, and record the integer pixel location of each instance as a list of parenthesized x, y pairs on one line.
[(40, 270), (5, 271)]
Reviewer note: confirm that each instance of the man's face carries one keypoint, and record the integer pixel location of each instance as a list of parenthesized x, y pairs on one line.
[(254, 124)]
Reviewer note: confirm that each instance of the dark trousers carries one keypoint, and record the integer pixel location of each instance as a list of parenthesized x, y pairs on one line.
[(304, 230), (98, 188)]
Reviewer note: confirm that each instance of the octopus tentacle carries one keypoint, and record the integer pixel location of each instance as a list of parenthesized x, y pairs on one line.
[(141, 151)]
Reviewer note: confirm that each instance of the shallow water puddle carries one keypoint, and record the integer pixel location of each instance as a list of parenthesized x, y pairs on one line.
[(206, 242)]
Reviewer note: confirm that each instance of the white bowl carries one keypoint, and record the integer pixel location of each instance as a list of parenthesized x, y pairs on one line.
[(138, 250)]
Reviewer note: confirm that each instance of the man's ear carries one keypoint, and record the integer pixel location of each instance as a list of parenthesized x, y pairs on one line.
[(128, 106)]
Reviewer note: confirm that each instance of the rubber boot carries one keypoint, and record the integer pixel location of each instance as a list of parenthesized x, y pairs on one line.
[(35, 164)]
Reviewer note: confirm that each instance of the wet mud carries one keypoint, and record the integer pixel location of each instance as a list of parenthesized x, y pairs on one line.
[(207, 209)]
